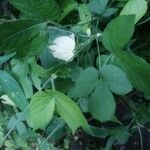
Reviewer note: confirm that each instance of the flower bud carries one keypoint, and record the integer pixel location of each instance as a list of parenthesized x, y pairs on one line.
[(88, 32)]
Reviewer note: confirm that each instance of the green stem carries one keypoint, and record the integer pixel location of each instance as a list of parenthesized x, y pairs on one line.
[(53, 77), (53, 85), (98, 50)]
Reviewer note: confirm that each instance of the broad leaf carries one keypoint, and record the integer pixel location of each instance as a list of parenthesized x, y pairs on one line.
[(118, 33), (42, 106), (70, 112), (138, 71), (43, 9), (136, 7), (102, 104), (116, 79), (19, 35), (13, 90), (86, 82), (41, 109)]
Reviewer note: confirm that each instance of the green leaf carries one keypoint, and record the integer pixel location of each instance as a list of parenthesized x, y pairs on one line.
[(70, 112), (40, 9), (5, 58), (20, 70), (41, 109), (116, 79), (118, 33), (85, 19), (19, 35), (109, 12), (136, 7), (38, 44), (99, 132), (121, 134), (86, 82), (67, 6), (20, 126), (57, 125), (102, 103), (83, 103), (84, 13), (42, 106), (138, 71), (97, 6), (37, 72), (13, 90)]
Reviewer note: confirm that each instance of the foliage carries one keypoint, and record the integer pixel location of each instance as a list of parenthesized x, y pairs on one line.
[(48, 98)]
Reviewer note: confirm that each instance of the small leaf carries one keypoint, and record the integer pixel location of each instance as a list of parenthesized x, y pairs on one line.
[(86, 82), (118, 33), (41, 109), (102, 103), (13, 90), (116, 79), (136, 7)]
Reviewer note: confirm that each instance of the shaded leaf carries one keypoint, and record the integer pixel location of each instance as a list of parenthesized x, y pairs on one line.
[(19, 35), (116, 79), (102, 103), (43, 9), (86, 82)]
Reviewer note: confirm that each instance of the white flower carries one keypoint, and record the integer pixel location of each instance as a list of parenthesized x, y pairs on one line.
[(63, 47)]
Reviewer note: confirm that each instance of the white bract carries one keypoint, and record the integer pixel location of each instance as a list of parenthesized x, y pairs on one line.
[(63, 47)]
